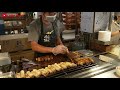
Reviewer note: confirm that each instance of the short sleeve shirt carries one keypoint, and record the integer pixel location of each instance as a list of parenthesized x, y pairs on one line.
[(34, 29)]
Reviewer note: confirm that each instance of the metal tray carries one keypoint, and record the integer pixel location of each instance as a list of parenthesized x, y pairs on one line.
[(70, 70)]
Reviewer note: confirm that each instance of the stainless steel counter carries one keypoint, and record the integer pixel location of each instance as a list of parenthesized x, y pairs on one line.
[(109, 74), (90, 72), (100, 70)]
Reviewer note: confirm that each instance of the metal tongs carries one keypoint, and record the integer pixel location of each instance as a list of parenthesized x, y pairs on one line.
[(69, 56)]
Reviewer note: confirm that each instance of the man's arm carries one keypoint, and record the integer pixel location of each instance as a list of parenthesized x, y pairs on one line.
[(115, 33), (39, 48), (59, 41), (60, 49)]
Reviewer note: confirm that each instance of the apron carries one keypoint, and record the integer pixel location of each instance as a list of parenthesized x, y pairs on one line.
[(47, 39)]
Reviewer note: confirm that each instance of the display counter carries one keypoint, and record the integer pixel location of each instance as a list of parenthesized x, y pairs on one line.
[(98, 69)]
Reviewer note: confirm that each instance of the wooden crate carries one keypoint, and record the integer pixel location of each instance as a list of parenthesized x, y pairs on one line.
[(14, 43), (99, 47), (22, 54)]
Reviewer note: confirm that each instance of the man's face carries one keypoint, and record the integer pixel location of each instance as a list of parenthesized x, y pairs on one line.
[(48, 14)]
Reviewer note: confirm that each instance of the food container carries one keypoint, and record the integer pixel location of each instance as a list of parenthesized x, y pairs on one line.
[(7, 75), (16, 31), (104, 36), (20, 23), (14, 23)]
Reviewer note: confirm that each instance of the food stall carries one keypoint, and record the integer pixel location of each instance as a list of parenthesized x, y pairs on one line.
[(93, 54)]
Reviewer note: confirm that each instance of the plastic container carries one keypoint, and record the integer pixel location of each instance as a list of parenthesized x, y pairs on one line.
[(104, 36)]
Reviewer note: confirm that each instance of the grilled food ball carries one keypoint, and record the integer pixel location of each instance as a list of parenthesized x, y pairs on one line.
[(45, 72), (86, 61), (91, 60), (51, 68), (80, 62), (47, 58), (38, 59), (69, 64), (29, 74), (35, 72), (40, 71), (22, 74), (58, 68), (62, 65), (18, 75), (51, 57)]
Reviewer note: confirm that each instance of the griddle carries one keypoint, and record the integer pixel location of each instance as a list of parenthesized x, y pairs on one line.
[(58, 59), (67, 71)]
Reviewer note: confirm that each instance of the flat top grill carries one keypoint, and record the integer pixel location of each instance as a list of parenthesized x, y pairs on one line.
[(71, 70), (68, 70)]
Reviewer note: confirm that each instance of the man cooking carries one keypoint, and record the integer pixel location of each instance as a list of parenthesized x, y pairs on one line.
[(114, 33), (44, 35)]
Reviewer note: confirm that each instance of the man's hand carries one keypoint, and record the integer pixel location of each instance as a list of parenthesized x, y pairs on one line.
[(115, 33), (60, 49)]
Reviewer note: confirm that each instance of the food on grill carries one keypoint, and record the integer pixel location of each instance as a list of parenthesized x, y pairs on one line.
[(82, 61), (36, 72), (57, 67), (48, 58), (38, 59), (45, 58), (62, 65), (22, 73), (74, 55), (51, 57), (69, 64), (50, 69), (45, 72), (29, 74), (18, 75)]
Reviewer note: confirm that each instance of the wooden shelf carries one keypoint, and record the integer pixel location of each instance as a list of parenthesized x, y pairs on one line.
[(13, 27), (71, 20), (13, 18)]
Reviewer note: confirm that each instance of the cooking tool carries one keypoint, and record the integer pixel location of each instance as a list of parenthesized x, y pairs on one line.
[(69, 56), (72, 56)]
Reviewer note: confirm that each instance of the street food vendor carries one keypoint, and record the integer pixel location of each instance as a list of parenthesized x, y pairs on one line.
[(115, 32), (44, 35)]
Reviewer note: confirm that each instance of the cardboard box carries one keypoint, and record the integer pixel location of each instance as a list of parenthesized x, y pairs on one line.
[(14, 43)]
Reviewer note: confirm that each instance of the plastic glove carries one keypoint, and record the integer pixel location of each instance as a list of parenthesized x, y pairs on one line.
[(60, 49), (66, 49)]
